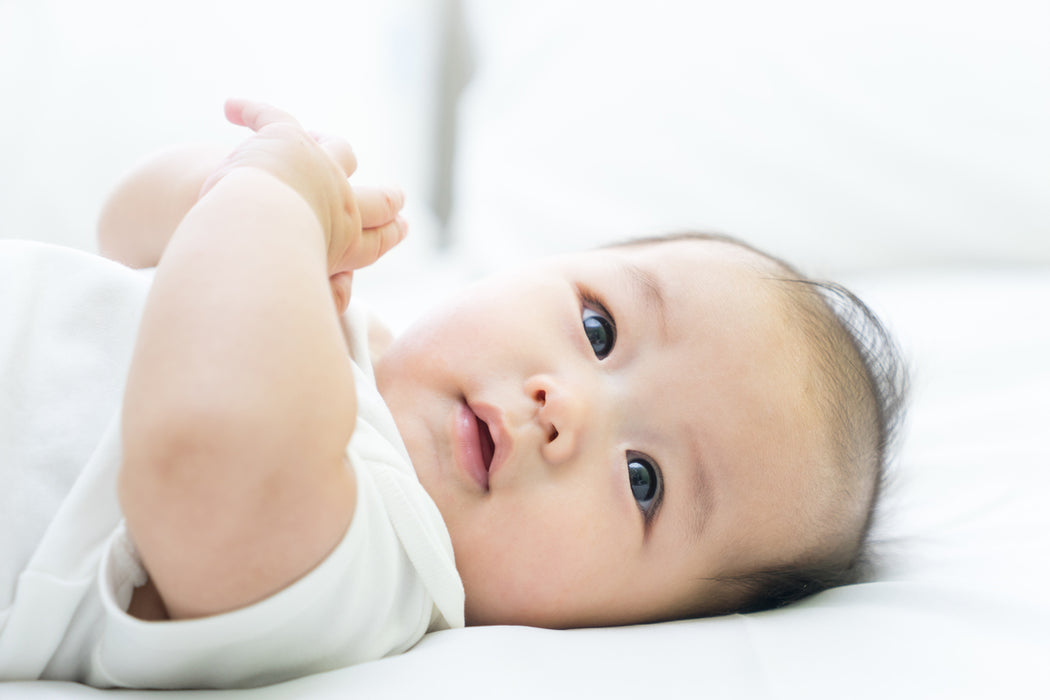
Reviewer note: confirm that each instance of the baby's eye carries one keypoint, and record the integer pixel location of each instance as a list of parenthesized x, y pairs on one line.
[(600, 330), (644, 476)]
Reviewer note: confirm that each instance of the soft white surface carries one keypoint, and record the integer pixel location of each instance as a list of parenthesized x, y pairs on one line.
[(959, 609), (843, 135)]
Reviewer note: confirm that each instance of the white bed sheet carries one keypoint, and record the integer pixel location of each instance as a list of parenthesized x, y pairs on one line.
[(958, 608)]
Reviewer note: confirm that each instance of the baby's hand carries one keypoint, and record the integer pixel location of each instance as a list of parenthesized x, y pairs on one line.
[(380, 221), (317, 168)]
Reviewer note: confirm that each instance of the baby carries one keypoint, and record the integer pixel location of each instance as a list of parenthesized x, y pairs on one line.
[(660, 429)]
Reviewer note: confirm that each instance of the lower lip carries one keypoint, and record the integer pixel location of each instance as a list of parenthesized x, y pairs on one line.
[(468, 446)]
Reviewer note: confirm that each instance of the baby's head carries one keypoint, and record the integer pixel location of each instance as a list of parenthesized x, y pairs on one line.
[(667, 428)]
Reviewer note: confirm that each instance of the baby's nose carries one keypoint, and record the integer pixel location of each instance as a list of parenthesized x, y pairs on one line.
[(561, 410)]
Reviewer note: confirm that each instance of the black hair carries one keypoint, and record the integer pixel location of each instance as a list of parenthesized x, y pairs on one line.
[(866, 383)]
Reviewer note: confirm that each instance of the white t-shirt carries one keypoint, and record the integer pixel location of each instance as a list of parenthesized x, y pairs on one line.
[(67, 568)]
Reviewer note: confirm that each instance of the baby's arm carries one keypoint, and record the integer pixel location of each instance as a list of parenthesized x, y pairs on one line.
[(144, 209), (240, 398), (142, 212)]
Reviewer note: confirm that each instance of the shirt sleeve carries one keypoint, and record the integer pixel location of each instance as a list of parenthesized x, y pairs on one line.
[(390, 579), (363, 602)]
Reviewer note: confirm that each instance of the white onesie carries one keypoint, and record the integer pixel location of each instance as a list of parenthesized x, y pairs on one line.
[(67, 568)]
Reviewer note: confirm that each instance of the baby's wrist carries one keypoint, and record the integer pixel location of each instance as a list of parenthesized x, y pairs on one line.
[(271, 198)]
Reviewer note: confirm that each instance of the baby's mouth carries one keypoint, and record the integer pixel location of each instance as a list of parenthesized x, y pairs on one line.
[(488, 447)]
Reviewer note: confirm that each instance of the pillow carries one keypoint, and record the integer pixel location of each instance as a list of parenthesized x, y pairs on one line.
[(842, 136)]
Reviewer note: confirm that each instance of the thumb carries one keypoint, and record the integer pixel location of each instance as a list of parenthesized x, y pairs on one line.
[(341, 283)]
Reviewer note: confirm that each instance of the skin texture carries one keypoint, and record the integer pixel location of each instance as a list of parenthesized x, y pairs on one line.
[(712, 388)]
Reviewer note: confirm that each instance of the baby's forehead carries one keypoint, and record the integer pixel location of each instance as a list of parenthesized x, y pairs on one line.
[(711, 256), (727, 272), (725, 302)]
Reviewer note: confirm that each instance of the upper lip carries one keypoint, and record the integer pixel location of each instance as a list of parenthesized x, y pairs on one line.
[(492, 417)]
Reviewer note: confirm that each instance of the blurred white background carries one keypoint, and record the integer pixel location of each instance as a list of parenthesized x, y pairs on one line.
[(88, 89), (845, 136)]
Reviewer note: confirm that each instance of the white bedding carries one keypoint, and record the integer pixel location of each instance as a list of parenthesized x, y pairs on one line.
[(902, 145)]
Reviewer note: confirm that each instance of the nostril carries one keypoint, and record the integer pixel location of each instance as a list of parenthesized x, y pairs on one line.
[(541, 396), (553, 434)]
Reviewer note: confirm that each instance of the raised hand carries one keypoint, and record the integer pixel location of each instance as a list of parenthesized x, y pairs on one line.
[(316, 167), (382, 228)]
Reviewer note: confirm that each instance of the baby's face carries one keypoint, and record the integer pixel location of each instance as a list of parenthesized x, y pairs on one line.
[(605, 430)]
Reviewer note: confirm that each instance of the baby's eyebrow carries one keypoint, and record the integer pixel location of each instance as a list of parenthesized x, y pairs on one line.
[(649, 288), (692, 478), (702, 493)]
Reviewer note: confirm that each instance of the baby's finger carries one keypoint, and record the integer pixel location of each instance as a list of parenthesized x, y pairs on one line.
[(339, 150), (341, 283), (375, 243), (378, 205), (255, 115)]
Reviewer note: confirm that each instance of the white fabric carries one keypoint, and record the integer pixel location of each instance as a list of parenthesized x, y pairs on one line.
[(68, 316)]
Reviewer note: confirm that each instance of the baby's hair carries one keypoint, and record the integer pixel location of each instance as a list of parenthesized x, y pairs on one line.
[(861, 369)]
